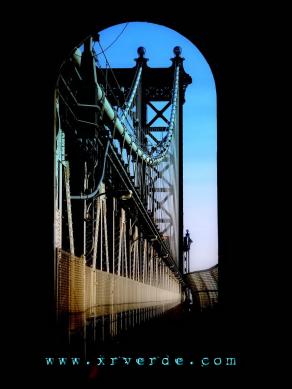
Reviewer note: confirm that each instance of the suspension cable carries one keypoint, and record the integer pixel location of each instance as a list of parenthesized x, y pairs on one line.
[(94, 193), (107, 62), (138, 149), (131, 139), (128, 104), (114, 41)]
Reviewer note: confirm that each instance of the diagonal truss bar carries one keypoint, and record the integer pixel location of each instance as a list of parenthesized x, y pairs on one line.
[(159, 113)]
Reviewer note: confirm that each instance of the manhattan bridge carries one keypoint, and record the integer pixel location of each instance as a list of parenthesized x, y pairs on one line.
[(121, 258)]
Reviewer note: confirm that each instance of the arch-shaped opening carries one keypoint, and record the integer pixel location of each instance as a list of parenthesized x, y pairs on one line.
[(135, 165), (117, 48)]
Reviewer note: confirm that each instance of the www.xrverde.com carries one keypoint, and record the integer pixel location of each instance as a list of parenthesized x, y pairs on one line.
[(204, 361)]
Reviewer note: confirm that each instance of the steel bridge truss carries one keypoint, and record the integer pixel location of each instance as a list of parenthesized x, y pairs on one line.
[(118, 175)]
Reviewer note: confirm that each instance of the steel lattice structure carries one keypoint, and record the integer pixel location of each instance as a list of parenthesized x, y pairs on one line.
[(118, 186)]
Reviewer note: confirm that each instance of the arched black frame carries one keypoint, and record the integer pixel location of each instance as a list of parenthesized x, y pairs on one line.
[(58, 36)]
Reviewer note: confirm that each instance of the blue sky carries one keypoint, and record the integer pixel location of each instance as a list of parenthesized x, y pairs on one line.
[(200, 139)]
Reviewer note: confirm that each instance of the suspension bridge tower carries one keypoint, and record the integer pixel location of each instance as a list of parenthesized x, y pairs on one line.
[(155, 95)]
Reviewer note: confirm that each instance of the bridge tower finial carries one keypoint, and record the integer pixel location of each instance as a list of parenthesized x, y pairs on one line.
[(141, 60)]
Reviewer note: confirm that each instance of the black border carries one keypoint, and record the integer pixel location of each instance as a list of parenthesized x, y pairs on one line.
[(223, 44)]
